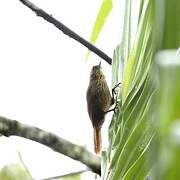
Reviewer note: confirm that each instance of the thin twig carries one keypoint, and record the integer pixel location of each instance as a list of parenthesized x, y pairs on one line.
[(66, 30), (10, 127), (22, 162)]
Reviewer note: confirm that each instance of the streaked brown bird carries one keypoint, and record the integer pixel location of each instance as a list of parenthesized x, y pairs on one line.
[(99, 100)]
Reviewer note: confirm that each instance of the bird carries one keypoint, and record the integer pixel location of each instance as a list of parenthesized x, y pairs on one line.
[(99, 101)]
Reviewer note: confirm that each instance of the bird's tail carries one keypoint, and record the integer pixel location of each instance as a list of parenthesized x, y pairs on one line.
[(97, 140)]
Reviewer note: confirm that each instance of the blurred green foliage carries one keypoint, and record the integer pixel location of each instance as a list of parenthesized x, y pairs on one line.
[(70, 177), (15, 172), (166, 153)]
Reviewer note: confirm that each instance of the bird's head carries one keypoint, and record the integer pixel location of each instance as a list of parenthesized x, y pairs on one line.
[(96, 72)]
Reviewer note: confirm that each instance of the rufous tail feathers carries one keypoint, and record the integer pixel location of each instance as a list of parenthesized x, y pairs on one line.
[(97, 140)]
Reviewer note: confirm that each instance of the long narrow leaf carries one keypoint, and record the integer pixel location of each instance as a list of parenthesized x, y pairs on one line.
[(101, 18)]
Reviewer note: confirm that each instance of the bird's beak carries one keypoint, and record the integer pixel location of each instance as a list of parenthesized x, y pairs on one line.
[(100, 64)]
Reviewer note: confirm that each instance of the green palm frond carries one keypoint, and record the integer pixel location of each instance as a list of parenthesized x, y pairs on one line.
[(132, 131), (139, 133)]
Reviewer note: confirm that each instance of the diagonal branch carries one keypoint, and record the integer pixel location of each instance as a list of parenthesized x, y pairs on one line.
[(10, 127), (66, 30)]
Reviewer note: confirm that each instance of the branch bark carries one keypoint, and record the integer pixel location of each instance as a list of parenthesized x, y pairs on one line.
[(66, 30), (10, 127)]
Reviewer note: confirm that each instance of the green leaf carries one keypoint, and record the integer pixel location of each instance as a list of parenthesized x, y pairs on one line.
[(168, 36), (126, 40), (167, 116), (131, 131), (15, 172), (103, 13), (136, 62), (172, 24), (143, 136), (116, 67)]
